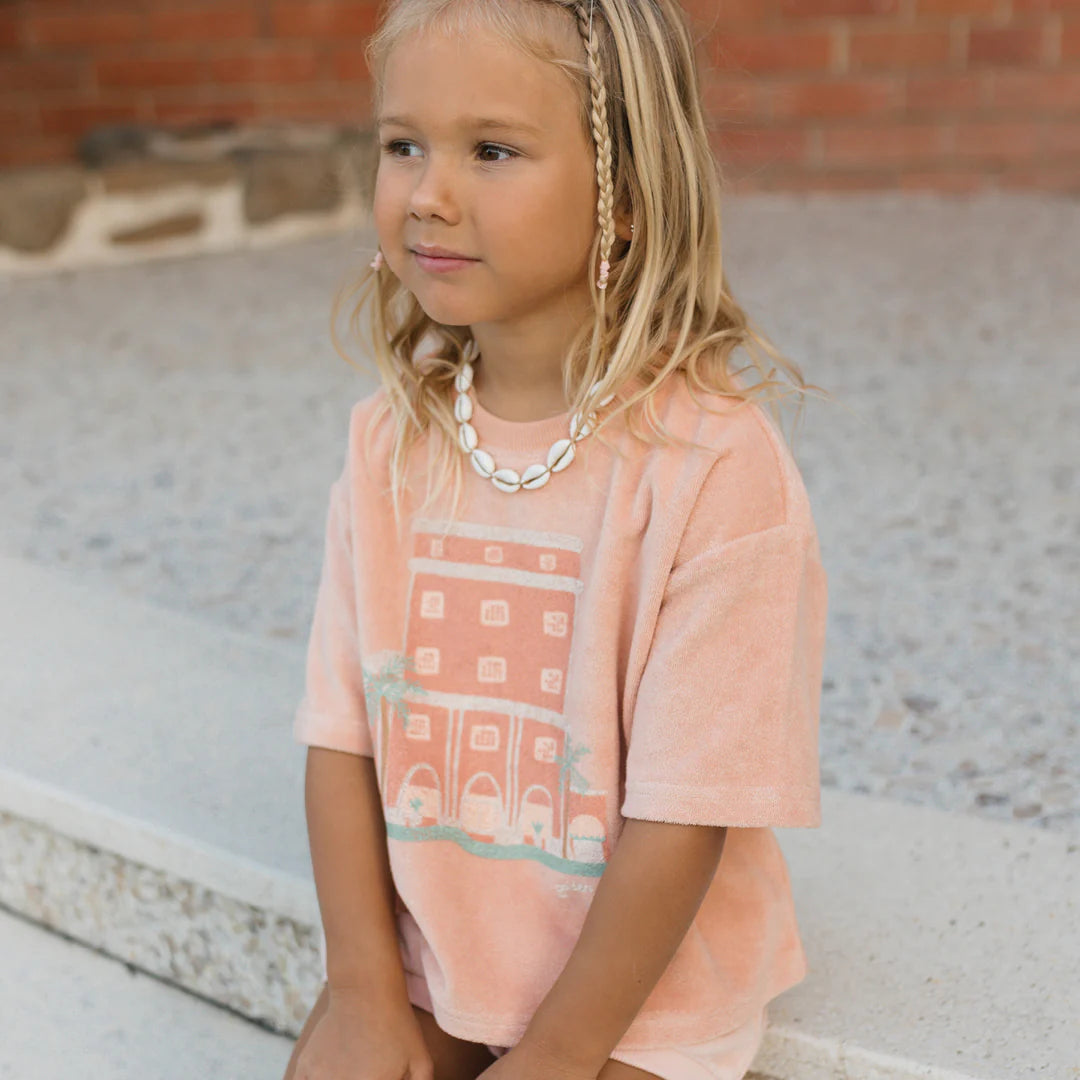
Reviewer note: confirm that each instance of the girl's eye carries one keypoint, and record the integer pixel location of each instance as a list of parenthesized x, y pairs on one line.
[(485, 147), (394, 146), (401, 148)]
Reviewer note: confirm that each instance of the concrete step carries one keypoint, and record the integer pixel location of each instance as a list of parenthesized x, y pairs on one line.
[(152, 793), (70, 1012), (151, 805)]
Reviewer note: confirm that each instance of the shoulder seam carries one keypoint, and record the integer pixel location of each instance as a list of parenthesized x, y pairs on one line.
[(785, 478)]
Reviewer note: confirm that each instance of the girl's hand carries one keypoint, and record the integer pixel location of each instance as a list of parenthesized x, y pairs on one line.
[(519, 1063), (359, 1038)]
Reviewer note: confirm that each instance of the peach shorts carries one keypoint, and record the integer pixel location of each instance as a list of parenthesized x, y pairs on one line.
[(725, 1058)]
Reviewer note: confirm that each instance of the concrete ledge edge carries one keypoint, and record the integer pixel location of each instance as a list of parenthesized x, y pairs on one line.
[(787, 1053), (158, 847)]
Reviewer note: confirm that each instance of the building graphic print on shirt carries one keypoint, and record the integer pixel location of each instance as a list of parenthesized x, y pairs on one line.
[(471, 738)]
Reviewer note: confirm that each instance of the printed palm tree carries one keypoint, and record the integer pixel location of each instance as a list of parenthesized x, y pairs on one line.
[(416, 802), (389, 685), (567, 771)]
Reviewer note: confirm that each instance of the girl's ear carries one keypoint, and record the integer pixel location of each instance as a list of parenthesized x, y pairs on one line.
[(622, 225)]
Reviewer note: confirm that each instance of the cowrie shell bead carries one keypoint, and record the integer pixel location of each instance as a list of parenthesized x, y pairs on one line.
[(468, 437), (560, 455), (506, 480), (535, 476), (579, 428), (482, 462)]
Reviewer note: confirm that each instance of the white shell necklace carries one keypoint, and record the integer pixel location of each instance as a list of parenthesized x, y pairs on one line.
[(559, 455)]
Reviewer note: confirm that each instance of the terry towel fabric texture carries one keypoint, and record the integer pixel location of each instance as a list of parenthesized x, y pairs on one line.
[(727, 1057), (643, 637)]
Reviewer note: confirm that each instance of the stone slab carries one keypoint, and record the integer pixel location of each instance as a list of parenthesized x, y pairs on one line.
[(69, 1012)]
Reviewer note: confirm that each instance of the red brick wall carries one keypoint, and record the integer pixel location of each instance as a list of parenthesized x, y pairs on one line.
[(952, 95)]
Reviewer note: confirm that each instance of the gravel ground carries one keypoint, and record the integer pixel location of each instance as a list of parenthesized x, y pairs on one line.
[(172, 430)]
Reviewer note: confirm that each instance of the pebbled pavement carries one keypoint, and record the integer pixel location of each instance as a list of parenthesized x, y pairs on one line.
[(172, 429)]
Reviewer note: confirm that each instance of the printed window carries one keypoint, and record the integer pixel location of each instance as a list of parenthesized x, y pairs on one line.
[(551, 680), (544, 748), (484, 737), (555, 623), (491, 669), (418, 727), (427, 660), (494, 613), (432, 604)]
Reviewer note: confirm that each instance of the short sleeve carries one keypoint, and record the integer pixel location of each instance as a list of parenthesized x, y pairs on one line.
[(725, 722), (332, 712)]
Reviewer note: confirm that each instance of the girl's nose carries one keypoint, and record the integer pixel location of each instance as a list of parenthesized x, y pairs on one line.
[(433, 195)]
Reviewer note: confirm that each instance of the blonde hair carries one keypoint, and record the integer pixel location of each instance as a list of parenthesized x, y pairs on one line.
[(666, 307)]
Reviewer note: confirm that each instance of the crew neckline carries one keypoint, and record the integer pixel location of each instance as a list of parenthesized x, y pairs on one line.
[(495, 433)]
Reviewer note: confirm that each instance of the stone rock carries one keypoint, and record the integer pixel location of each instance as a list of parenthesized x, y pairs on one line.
[(178, 225), (151, 175), (111, 143), (889, 719), (203, 141), (287, 182), (920, 703), (360, 150), (36, 205)]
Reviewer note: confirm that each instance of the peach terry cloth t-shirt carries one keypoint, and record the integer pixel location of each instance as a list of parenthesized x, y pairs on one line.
[(642, 637)]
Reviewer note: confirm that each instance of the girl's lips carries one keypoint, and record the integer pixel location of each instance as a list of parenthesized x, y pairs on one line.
[(439, 264)]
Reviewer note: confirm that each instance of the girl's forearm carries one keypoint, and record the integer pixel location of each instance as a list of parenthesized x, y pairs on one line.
[(347, 837), (643, 906)]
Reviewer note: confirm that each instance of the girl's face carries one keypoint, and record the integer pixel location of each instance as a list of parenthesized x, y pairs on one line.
[(483, 155)]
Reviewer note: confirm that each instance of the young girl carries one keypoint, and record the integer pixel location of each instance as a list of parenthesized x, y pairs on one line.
[(551, 724)]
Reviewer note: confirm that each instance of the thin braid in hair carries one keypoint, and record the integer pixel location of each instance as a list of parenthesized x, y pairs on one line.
[(602, 138)]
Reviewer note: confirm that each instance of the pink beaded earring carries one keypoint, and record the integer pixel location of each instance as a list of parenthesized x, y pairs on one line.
[(378, 261), (605, 268)]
